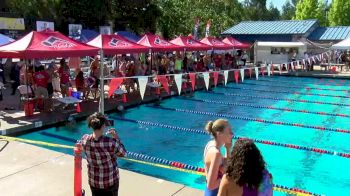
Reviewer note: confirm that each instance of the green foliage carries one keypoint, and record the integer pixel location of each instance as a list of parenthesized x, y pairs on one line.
[(288, 10), (306, 9), (339, 13), (321, 13)]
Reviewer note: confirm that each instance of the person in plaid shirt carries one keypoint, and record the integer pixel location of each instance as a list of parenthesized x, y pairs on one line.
[(101, 154)]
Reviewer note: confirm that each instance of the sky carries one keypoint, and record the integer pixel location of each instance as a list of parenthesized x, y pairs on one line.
[(279, 3)]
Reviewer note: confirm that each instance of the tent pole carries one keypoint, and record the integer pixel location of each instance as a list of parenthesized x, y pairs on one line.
[(102, 99)]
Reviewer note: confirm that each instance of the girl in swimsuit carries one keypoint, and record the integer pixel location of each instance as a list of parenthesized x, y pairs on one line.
[(246, 174), (213, 159)]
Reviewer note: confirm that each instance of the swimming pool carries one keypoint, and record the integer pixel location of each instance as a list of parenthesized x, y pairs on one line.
[(307, 112)]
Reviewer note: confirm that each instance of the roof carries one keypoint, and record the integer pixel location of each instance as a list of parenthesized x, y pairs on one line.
[(158, 44), (129, 35), (253, 38), (216, 43), (271, 27), (280, 44), (116, 44), (235, 43), (343, 45), (190, 44), (330, 33), (87, 35), (5, 39), (46, 44)]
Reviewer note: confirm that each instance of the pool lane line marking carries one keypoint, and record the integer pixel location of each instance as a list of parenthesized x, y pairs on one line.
[(303, 83), (266, 142), (320, 128), (292, 86), (261, 106), (157, 162), (290, 92), (275, 98)]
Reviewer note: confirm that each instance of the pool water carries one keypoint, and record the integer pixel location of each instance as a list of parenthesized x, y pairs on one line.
[(314, 172)]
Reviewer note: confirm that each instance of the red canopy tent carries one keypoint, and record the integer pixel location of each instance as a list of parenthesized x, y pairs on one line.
[(215, 44), (45, 44), (235, 43), (158, 44), (190, 44), (116, 44)]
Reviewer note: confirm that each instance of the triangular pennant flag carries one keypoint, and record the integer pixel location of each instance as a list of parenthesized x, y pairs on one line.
[(256, 72), (206, 79), (303, 62), (216, 77), (268, 70), (250, 72), (78, 108), (292, 65), (298, 64), (178, 81), (272, 68), (236, 73), (226, 76), (309, 61), (242, 74), (114, 85), (262, 71), (193, 80), (142, 84), (164, 81), (124, 98), (313, 59), (280, 68)]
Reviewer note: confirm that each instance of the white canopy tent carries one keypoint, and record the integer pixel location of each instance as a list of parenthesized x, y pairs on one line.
[(343, 45), (277, 52)]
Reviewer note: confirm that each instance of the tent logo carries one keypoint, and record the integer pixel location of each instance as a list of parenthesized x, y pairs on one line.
[(115, 42), (55, 42), (158, 41), (191, 42), (216, 42)]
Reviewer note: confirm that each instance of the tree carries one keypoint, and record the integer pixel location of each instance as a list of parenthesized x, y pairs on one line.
[(288, 10), (305, 9), (339, 13), (321, 13), (255, 10), (273, 13)]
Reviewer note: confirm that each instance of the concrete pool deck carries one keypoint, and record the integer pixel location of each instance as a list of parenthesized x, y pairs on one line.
[(31, 170)]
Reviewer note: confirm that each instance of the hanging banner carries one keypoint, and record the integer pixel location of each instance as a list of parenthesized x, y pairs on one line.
[(178, 81), (242, 74), (216, 77), (193, 80), (142, 84), (106, 30), (226, 76), (114, 85), (256, 73), (43, 26), (164, 81), (206, 79), (12, 23), (75, 31), (268, 70)]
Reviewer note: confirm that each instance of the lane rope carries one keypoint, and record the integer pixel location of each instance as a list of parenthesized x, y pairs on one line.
[(163, 163), (291, 86), (275, 98), (266, 142), (320, 128), (306, 83), (290, 92)]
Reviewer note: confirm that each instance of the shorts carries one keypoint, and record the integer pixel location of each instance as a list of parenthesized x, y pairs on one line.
[(41, 92)]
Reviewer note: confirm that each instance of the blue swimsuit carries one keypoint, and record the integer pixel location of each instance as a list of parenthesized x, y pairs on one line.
[(213, 192)]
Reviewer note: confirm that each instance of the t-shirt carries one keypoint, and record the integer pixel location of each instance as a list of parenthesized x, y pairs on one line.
[(41, 78), (178, 64), (64, 75), (217, 61)]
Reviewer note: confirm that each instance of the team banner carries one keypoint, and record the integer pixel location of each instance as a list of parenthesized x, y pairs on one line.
[(142, 83), (178, 81), (44, 25), (75, 31), (206, 79), (12, 23), (256, 73), (225, 76), (242, 74)]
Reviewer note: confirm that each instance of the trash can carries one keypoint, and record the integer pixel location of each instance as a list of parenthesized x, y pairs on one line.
[(29, 108)]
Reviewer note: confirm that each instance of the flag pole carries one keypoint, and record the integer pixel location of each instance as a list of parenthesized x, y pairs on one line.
[(101, 108)]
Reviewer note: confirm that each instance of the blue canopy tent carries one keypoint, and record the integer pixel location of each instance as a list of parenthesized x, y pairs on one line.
[(129, 35), (87, 35), (5, 40)]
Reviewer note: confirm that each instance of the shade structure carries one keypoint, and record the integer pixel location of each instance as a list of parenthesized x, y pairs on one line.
[(190, 44), (343, 45), (158, 44), (116, 44), (215, 44), (235, 43), (46, 44), (5, 39)]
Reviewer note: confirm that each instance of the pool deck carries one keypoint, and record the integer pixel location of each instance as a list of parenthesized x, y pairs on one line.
[(51, 173)]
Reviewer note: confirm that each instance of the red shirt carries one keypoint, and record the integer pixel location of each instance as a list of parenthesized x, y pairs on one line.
[(217, 61), (64, 75), (200, 66), (41, 78), (101, 155)]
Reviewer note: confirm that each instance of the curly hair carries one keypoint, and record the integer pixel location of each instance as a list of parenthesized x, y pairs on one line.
[(246, 165)]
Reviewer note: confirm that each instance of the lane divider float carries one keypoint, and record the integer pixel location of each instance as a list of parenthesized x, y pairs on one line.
[(266, 142), (291, 92), (265, 107), (275, 98), (307, 88), (320, 128), (306, 83), (163, 163)]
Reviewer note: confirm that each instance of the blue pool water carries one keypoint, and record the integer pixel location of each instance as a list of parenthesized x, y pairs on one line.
[(319, 173)]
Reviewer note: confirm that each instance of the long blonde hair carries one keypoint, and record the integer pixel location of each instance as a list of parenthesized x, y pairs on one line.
[(217, 126)]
